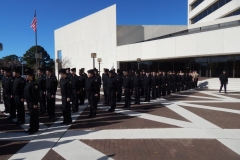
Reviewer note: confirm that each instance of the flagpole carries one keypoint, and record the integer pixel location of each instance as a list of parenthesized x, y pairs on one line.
[(36, 43)]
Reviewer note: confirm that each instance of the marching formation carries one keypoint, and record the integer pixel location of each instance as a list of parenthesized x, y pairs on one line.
[(40, 94)]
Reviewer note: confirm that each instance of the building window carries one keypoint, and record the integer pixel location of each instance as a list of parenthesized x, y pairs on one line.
[(196, 3), (209, 10), (235, 13)]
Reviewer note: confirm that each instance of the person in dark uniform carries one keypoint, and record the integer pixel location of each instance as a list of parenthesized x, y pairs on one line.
[(128, 86), (154, 80), (120, 83), (42, 90), (173, 81), (68, 72), (223, 78), (112, 90), (51, 88), (83, 78), (137, 83), (99, 83), (164, 84), (6, 110), (18, 92), (92, 92), (147, 83), (178, 82), (31, 96), (142, 76), (168, 82), (104, 80), (76, 85), (66, 92), (160, 83), (8, 92)]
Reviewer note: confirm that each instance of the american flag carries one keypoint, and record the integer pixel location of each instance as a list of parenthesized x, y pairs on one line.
[(34, 23)]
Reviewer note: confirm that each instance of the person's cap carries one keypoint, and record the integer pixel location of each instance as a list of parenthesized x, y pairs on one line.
[(111, 71), (29, 72), (118, 71), (83, 69), (147, 71), (95, 70), (105, 69), (49, 69), (17, 69), (68, 69), (63, 71), (41, 69), (91, 71), (137, 72), (73, 69)]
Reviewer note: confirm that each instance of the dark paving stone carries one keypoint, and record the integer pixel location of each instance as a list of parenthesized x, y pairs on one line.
[(107, 120), (159, 149), (52, 155), (228, 105), (9, 148), (222, 119)]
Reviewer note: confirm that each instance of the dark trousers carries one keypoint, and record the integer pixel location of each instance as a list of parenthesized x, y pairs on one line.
[(178, 87), (92, 100), (137, 95), (223, 85), (34, 120), (50, 104), (154, 92), (74, 99), (142, 91), (42, 101), (82, 96), (105, 92), (173, 87), (20, 109), (147, 94), (168, 89), (66, 109), (11, 104), (159, 91), (127, 95), (112, 99), (98, 97), (119, 95)]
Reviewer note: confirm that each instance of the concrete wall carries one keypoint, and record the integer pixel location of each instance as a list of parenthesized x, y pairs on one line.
[(95, 33), (217, 42), (133, 34)]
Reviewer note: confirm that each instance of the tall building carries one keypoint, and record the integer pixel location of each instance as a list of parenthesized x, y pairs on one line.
[(209, 43)]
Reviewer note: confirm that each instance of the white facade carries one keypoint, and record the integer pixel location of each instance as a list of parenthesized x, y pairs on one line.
[(99, 33)]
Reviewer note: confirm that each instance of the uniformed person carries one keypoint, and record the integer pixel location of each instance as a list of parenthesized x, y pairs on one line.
[(112, 90), (104, 80), (18, 92), (137, 83), (99, 82), (42, 89), (76, 85), (128, 87), (154, 80), (8, 92), (83, 78), (168, 82), (223, 78), (147, 83), (66, 92), (31, 96), (164, 84), (120, 85), (51, 88), (173, 78), (92, 92), (6, 109)]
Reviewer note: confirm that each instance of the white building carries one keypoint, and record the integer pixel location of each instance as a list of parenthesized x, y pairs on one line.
[(209, 43)]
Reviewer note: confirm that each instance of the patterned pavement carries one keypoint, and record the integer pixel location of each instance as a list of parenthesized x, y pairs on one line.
[(196, 124)]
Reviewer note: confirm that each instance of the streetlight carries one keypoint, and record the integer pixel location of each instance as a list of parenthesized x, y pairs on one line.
[(93, 56), (139, 61), (99, 61)]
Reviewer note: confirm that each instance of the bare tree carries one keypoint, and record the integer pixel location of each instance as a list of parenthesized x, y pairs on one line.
[(64, 63)]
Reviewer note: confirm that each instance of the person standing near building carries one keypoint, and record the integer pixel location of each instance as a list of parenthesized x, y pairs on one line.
[(147, 83), (92, 93), (83, 78), (42, 90), (223, 78), (120, 83), (112, 90), (99, 82), (8, 92), (160, 84), (76, 85), (128, 87), (18, 92), (104, 80), (3, 78), (31, 96), (137, 83), (51, 88), (66, 92), (154, 85)]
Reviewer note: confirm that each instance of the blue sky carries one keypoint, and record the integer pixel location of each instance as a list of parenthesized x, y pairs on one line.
[(16, 17)]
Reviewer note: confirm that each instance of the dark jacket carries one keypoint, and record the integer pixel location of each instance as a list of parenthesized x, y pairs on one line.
[(66, 86), (51, 84), (31, 92), (92, 85), (137, 81), (223, 78), (18, 86), (42, 83), (112, 83), (128, 82)]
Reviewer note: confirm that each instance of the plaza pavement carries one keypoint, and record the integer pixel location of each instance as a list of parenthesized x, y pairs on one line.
[(195, 124)]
